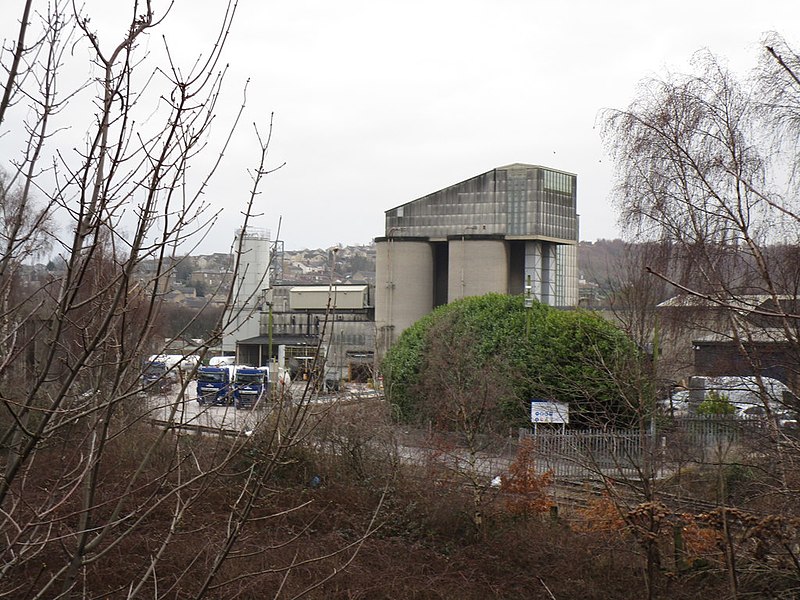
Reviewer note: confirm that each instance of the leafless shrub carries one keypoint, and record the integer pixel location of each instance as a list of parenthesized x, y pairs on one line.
[(87, 479)]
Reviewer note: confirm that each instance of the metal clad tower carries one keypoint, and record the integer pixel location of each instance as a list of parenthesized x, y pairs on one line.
[(249, 287), (490, 233)]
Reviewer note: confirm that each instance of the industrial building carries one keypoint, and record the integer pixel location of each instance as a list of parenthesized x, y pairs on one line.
[(297, 319), (283, 325), (511, 228)]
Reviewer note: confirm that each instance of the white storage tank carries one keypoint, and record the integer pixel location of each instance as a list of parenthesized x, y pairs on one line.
[(249, 286)]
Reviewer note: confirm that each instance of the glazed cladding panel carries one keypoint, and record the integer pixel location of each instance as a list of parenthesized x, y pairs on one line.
[(515, 201), (465, 206), (566, 275), (540, 203), (556, 206)]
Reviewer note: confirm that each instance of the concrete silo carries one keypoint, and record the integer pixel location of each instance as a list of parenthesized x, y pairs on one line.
[(477, 266), (404, 292), (496, 232)]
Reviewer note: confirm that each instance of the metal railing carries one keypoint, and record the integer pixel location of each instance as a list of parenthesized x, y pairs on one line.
[(591, 453)]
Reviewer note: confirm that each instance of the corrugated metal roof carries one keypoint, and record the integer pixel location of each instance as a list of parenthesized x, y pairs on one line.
[(743, 302), (336, 289), (324, 288), (288, 340)]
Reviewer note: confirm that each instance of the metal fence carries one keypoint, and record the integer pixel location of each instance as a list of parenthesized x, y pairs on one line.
[(590, 453), (587, 453)]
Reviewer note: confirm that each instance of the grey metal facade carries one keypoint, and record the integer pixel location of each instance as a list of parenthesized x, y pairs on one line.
[(496, 232), (516, 201)]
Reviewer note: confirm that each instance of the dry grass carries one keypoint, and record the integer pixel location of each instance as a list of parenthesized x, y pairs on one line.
[(423, 547)]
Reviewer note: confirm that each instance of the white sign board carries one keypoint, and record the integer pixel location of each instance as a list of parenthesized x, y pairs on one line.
[(549, 412)]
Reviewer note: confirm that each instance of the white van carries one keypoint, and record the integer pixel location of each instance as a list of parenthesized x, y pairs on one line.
[(222, 361), (183, 362)]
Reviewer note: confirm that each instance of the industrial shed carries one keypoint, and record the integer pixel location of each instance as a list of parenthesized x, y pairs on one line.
[(342, 297)]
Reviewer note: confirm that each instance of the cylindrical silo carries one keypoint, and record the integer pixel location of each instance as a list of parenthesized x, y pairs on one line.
[(253, 264), (249, 285), (403, 286), (477, 267)]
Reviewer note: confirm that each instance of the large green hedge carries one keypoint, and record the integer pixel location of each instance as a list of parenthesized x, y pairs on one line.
[(546, 353)]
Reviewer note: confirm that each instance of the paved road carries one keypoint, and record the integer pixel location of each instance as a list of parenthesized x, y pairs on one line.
[(187, 411)]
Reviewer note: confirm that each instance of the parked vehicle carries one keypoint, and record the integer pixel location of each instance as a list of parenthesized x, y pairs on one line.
[(189, 362), (251, 386), (214, 385), (156, 376), (222, 361), (747, 396), (185, 362)]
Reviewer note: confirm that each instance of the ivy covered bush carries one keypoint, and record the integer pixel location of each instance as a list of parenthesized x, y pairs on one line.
[(542, 352)]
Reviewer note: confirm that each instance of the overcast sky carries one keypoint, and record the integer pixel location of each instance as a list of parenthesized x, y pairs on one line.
[(377, 103)]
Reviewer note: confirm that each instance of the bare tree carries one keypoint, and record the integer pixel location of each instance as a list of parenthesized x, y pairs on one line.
[(461, 399), (85, 477), (706, 167), (696, 169)]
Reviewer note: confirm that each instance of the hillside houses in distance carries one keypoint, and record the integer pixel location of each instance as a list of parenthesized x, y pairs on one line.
[(194, 280), (355, 264), (209, 275)]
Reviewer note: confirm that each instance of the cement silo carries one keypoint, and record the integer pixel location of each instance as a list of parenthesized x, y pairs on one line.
[(477, 266), (250, 284), (253, 264), (403, 286), (499, 231)]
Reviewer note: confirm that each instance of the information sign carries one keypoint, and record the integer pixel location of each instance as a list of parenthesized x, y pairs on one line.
[(549, 412)]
